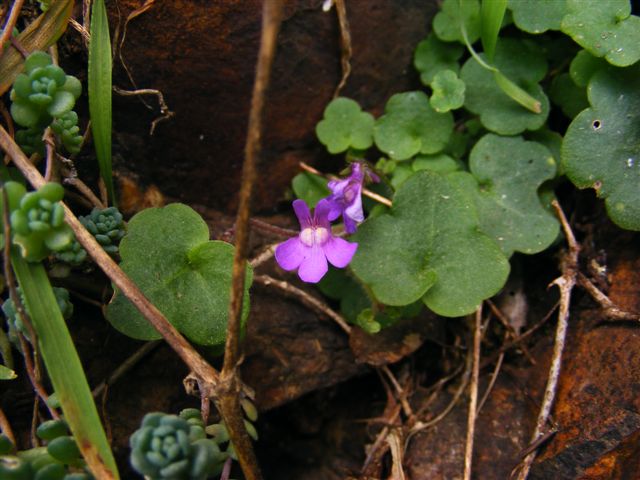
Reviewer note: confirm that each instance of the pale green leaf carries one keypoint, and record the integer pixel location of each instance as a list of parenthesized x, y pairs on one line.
[(7, 373), (605, 28), (491, 15), (345, 126), (448, 91), (538, 16), (430, 247), (433, 55), (167, 252), (583, 67), (522, 63), (571, 98), (601, 148), (64, 367), (310, 188), (410, 126), (446, 23), (509, 172), (99, 87)]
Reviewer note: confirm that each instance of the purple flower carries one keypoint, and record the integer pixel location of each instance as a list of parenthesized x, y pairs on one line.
[(346, 197), (310, 250)]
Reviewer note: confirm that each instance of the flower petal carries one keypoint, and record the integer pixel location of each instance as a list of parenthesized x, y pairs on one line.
[(336, 208), (302, 212), (314, 266), (339, 252), (321, 214), (291, 253)]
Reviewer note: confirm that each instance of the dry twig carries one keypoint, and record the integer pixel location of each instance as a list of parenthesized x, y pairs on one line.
[(11, 23), (611, 310), (473, 394), (305, 298), (345, 45), (566, 282), (227, 395)]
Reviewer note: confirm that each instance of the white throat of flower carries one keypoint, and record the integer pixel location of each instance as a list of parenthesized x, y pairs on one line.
[(311, 236)]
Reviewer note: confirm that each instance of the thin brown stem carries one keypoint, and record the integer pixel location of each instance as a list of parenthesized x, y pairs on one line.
[(127, 365), (345, 45), (611, 310), (5, 427), (492, 382), (473, 394), (11, 23), (227, 398), (85, 191), (565, 283), (305, 298), (205, 373)]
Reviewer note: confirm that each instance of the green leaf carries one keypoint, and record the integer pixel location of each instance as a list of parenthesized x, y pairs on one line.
[(606, 29), (584, 66), (40, 34), (168, 254), (310, 188), (63, 102), (429, 246), (440, 163), (410, 126), (601, 148), (448, 91), (523, 64), (99, 86), (345, 125), (538, 16), (25, 114), (7, 373), (571, 98), (446, 23), (509, 172), (64, 367), (432, 56), (491, 15)]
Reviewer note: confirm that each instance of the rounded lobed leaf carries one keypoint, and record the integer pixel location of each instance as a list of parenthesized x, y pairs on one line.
[(429, 247), (310, 188), (601, 148), (606, 29), (446, 23), (433, 55), (509, 171), (521, 62), (571, 98), (583, 67), (538, 16), (448, 91), (410, 126), (167, 252), (345, 125)]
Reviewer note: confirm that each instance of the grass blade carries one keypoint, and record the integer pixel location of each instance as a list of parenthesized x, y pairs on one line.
[(43, 32), (7, 373), (100, 91), (64, 368), (491, 16), (517, 93)]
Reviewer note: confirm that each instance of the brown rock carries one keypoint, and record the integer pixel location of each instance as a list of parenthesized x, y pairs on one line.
[(202, 55)]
